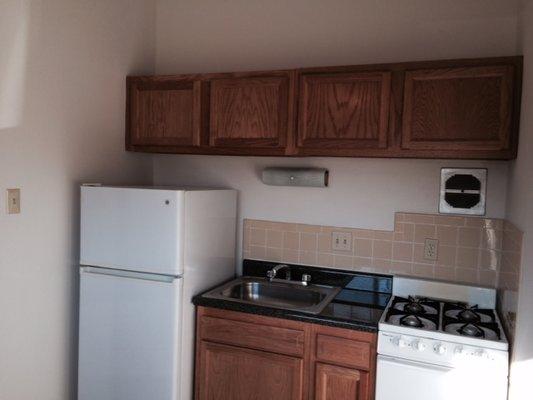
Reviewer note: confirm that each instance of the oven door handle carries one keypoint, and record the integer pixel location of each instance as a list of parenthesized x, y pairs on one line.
[(413, 364)]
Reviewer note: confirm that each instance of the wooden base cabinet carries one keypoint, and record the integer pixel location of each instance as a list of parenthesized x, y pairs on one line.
[(231, 372), (242, 356), (334, 382)]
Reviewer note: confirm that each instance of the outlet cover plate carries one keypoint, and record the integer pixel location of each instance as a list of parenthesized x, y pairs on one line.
[(431, 247), (341, 241)]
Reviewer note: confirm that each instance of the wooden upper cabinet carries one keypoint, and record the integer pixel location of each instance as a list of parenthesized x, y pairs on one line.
[(465, 109), (459, 109), (250, 112), (333, 383), (163, 112), (344, 110)]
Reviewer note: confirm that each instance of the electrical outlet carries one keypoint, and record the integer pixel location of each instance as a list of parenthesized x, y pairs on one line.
[(341, 241), (431, 249), (13, 201)]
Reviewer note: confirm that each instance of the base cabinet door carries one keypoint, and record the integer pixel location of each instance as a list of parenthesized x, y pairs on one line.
[(234, 373), (339, 383)]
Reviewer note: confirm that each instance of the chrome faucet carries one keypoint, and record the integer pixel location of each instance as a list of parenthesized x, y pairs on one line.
[(271, 274)]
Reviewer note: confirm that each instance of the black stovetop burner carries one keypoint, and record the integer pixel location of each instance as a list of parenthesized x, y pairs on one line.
[(457, 318), (414, 312), (470, 321), (464, 313)]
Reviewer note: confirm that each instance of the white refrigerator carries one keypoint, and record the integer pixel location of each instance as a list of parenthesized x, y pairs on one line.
[(145, 251)]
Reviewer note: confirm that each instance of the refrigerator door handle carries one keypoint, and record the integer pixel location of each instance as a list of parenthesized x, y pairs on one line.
[(129, 274)]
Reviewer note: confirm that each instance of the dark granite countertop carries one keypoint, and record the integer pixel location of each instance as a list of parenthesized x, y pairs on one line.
[(359, 305)]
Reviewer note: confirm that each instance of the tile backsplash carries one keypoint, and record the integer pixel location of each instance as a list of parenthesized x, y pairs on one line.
[(509, 275), (474, 250)]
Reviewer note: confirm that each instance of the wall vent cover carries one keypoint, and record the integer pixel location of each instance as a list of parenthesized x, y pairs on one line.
[(463, 191)]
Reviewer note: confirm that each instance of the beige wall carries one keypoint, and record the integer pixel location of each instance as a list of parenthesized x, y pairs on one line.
[(211, 35), (62, 70), (232, 35), (363, 193), (520, 212)]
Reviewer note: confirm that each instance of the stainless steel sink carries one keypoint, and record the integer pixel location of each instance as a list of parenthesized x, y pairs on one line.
[(277, 294)]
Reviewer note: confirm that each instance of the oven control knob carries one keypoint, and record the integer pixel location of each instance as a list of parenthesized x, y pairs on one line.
[(398, 341), (480, 353), (440, 348), (418, 345), (459, 350)]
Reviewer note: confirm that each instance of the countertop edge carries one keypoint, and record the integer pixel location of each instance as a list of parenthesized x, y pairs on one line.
[(199, 300)]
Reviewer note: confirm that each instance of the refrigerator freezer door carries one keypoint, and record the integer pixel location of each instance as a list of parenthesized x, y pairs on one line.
[(136, 229), (129, 336)]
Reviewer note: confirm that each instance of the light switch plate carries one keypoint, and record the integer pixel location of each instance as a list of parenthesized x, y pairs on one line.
[(13, 201), (341, 241)]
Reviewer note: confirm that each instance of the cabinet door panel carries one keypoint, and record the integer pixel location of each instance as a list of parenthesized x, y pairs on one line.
[(164, 112), (253, 335), (249, 112), (458, 108), (343, 351), (344, 110), (234, 373), (339, 383)]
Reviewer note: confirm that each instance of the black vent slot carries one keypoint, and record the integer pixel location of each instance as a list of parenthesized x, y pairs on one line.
[(462, 200), (463, 182)]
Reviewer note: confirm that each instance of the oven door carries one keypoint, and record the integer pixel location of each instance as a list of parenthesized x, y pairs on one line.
[(399, 379)]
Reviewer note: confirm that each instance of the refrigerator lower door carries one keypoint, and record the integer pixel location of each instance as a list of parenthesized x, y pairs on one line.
[(129, 335)]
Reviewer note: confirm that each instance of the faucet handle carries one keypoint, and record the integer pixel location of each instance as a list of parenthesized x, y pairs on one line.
[(271, 274), (306, 278)]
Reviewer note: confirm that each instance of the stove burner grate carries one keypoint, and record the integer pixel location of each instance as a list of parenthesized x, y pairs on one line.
[(471, 329), (412, 321), (463, 313)]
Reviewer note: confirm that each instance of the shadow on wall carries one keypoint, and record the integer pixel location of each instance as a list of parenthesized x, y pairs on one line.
[(14, 16)]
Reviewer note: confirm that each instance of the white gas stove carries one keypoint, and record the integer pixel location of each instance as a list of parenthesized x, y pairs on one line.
[(441, 341)]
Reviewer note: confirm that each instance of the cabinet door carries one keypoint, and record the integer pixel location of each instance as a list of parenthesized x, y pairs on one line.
[(234, 373), (250, 112), (344, 110), (339, 383), (461, 109), (164, 112)]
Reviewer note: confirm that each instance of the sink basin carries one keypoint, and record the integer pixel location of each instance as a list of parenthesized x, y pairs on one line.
[(277, 294)]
